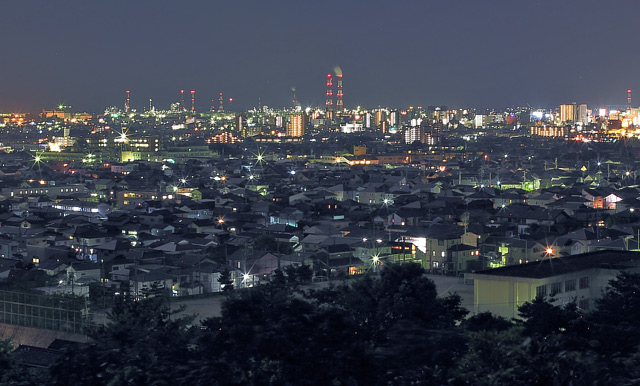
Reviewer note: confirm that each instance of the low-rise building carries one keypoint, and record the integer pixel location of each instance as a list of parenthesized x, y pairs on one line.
[(579, 278)]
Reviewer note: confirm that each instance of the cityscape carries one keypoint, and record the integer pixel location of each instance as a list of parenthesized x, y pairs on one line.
[(211, 195)]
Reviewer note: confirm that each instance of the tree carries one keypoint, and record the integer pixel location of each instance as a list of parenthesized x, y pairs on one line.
[(270, 244), (143, 343), (13, 373), (305, 273), (292, 274), (542, 318), (401, 301), (615, 319), (268, 336), (265, 243), (226, 283), (278, 279), (486, 321), (217, 254)]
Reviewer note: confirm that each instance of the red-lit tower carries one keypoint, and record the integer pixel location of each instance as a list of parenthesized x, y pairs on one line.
[(182, 100), (193, 100), (213, 107), (220, 106), (127, 105), (339, 105), (629, 98), (329, 103)]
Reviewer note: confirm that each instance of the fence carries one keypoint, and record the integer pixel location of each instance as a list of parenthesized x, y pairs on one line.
[(51, 312)]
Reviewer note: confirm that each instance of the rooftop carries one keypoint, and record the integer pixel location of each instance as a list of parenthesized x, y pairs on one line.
[(574, 263)]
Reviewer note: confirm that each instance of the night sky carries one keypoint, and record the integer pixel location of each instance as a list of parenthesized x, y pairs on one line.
[(459, 53)]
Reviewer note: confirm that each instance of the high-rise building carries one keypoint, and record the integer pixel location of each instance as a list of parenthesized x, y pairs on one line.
[(582, 114), (295, 126), (413, 133), (380, 116), (574, 113), (394, 118), (568, 112), (241, 125)]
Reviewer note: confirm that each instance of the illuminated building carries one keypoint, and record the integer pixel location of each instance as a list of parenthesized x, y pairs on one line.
[(32, 187), (63, 112), (413, 133), (359, 150), (426, 134), (151, 144), (57, 113), (548, 131), (136, 197), (573, 113), (295, 126), (380, 117), (394, 118), (363, 160), (384, 127), (224, 137), (61, 142), (241, 125), (582, 278)]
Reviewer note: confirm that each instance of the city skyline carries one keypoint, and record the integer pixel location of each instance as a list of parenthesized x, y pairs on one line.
[(435, 53)]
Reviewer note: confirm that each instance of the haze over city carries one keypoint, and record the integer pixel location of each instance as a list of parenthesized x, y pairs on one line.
[(457, 53), (440, 192)]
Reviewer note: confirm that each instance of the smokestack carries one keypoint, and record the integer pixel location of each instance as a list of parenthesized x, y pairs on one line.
[(127, 105), (339, 105), (193, 100), (295, 101), (329, 103), (220, 106), (629, 98), (182, 100)]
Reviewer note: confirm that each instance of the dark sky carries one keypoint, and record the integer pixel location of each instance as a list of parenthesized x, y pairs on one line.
[(478, 53)]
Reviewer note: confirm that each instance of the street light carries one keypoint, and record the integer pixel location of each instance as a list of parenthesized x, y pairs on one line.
[(375, 261)]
